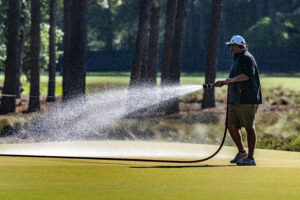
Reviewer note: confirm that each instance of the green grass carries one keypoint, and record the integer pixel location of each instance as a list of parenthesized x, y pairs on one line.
[(276, 176), (285, 83)]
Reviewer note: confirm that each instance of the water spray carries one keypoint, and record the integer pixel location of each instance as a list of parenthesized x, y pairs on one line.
[(57, 119)]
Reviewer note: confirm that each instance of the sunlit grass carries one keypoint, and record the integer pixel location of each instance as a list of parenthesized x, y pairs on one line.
[(276, 176)]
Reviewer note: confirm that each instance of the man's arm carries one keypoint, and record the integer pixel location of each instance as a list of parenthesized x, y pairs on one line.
[(241, 77)]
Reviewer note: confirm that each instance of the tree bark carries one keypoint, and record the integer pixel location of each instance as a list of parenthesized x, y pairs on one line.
[(35, 40), (78, 45), (141, 44), (8, 103), (168, 40), (75, 41), (153, 43), (212, 53), (178, 41), (177, 47), (66, 48), (23, 20), (52, 56)]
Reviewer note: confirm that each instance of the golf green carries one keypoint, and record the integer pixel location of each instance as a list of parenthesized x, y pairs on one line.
[(276, 176)]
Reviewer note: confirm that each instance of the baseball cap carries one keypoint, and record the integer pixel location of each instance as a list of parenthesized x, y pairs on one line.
[(236, 39)]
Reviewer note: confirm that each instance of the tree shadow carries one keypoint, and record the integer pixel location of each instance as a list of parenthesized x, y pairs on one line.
[(180, 166)]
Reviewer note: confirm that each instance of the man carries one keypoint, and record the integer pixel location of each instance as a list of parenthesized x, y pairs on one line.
[(244, 98)]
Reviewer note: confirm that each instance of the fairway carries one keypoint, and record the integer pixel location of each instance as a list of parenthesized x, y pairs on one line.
[(276, 176)]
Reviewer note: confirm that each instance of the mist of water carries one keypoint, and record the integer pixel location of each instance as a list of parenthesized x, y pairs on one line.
[(90, 116)]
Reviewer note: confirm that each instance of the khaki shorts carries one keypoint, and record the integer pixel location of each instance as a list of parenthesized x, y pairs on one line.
[(242, 115)]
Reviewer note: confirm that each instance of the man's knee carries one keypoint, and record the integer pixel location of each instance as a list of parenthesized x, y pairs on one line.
[(250, 130), (232, 127)]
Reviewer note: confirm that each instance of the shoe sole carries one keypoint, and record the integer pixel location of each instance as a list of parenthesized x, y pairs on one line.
[(246, 164), (239, 164)]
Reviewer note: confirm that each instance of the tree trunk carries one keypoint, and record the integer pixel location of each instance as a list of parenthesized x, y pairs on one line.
[(66, 47), (35, 39), (23, 20), (153, 43), (109, 33), (78, 45), (141, 43), (177, 47), (8, 103), (168, 41), (212, 53), (178, 41), (20, 63), (52, 56), (75, 41)]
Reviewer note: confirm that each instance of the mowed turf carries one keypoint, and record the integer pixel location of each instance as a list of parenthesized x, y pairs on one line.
[(276, 176)]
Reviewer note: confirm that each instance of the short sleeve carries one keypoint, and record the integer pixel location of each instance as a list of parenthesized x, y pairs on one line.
[(247, 66)]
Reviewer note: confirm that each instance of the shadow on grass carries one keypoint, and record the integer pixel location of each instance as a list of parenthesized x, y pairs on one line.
[(181, 166)]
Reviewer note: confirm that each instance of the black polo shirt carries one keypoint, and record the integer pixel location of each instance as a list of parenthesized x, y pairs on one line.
[(245, 92)]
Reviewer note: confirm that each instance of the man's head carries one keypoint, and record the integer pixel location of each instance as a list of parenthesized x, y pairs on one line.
[(236, 44)]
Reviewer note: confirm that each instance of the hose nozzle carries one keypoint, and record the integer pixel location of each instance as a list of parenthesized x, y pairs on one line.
[(208, 85)]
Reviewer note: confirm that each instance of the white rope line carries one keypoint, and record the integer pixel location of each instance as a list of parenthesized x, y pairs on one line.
[(8, 95), (13, 95)]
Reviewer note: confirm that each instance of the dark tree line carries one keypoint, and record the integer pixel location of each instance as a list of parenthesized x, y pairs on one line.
[(122, 21), (144, 69), (175, 28), (239, 16), (75, 42)]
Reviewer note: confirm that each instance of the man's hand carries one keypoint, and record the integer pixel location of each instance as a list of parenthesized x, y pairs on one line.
[(224, 82), (219, 83)]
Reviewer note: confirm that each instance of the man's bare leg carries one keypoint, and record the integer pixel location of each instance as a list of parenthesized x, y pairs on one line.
[(251, 139), (236, 136)]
